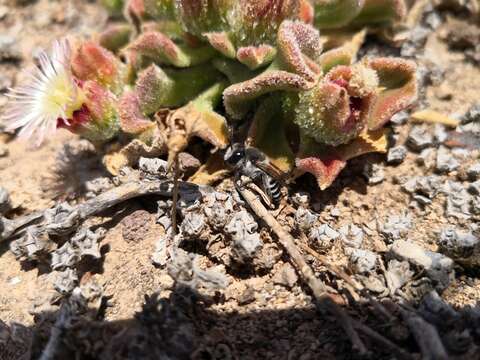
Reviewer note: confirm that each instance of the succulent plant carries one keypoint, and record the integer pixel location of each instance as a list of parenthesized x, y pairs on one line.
[(162, 79)]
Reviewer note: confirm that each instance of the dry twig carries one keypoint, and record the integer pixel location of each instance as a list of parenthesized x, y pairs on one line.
[(75, 215), (323, 299), (426, 336)]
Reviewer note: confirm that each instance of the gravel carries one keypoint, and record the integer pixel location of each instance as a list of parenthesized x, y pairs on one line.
[(419, 139), (437, 266), (396, 155), (446, 162), (396, 227), (351, 235), (374, 173)]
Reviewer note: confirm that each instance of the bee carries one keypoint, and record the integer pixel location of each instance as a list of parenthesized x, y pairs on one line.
[(254, 165)]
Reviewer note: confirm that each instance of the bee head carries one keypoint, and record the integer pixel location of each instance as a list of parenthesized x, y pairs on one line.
[(234, 154)]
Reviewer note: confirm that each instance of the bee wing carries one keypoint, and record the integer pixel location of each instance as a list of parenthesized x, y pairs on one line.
[(271, 170)]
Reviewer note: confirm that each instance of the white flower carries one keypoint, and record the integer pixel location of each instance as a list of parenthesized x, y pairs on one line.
[(50, 93)]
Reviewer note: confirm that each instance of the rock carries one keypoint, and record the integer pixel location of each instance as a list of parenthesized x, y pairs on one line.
[(301, 198), (305, 219), (374, 173), (97, 186), (475, 205), (160, 256), (247, 296), (473, 171), (324, 235), (65, 281), (243, 230), (472, 114), (9, 49), (155, 166), (428, 186), (440, 133), (419, 139), (188, 162), (3, 11), (427, 158), (437, 266), (363, 261), (474, 188), (458, 200), (396, 227), (193, 225), (398, 274), (64, 257), (374, 284), (446, 162), (285, 276), (5, 82), (396, 155), (351, 235), (462, 246), (218, 209), (5, 202), (136, 226), (3, 149), (400, 118)]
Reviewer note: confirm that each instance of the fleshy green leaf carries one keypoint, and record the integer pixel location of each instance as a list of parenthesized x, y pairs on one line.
[(397, 89), (162, 50), (335, 13), (268, 134), (256, 56), (381, 11)]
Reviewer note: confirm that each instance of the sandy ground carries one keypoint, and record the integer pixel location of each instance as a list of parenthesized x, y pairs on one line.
[(127, 272)]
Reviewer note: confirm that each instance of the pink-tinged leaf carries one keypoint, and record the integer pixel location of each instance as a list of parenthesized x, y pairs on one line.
[(306, 12), (255, 22), (381, 11), (268, 134), (135, 9), (238, 97), (335, 57), (328, 114), (324, 168), (160, 9), (300, 47), (162, 50), (367, 142), (222, 43), (203, 16), (326, 162), (115, 36), (132, 119), (256, 56), (335, 13), (153, 88), (397, 89), (90, 61)]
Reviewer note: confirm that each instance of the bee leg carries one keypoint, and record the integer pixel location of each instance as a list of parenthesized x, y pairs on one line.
[(265, 198)]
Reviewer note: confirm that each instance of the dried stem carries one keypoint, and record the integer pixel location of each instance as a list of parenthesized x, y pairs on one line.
[(332, 268), (126, 191), (323, 300), (402, 354), (175, 196), (426, 336)]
